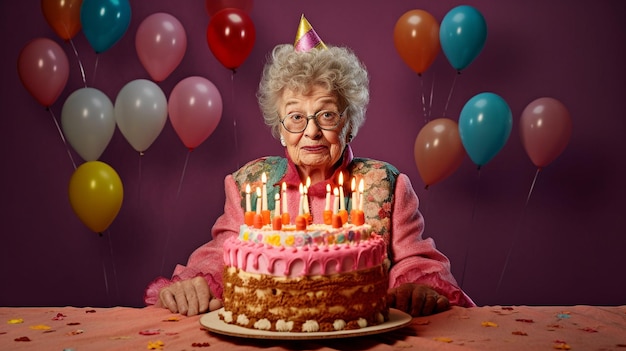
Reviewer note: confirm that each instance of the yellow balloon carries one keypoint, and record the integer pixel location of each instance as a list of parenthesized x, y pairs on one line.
[(96, 194)]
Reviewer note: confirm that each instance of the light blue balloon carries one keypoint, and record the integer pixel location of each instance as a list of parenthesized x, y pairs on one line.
[(485, 125), (104, 22), (462, 33)]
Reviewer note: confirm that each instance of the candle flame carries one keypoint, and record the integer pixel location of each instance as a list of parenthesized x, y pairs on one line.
[(276, 197), (248, 188), (328, 188), (340, 178), (263, 178), (284, 186), (258, 191), (300, 188), (353, 185), (361, 186), (308, 182), (335, 191)]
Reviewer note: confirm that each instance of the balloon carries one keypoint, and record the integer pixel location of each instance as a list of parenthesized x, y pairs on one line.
[(416, 37), (438, 150), (213, 6), (485, 125), (462, 34), (63, 16), (96, 194), (160, 42), (231, 35), (104, 22), (88, 122), (43, 69), (141, 113), (545, 129), (195, 109)]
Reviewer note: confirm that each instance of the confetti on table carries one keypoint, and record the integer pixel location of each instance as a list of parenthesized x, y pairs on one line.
[(525, 320), (563, 315), (508, 308), (443, 339), (90, 311), (422, 322), (489, 324), (59, 317), (120, 338), (73, 323), (561, 346), (200, 344), (150, 332), (171, 319), (518, 332), (75, 332), (22, 338), (40, 327), (15, 321), (589, 330), (155, 345)]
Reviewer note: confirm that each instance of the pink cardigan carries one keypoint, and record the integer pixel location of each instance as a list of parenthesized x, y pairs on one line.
[(415, 259)]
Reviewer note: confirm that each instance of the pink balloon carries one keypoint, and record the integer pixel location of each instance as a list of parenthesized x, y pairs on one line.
[(546, 128), (43, 69), (195, 109), (160, 42)]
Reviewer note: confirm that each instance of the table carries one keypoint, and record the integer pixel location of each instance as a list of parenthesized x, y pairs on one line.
[(479, 328)]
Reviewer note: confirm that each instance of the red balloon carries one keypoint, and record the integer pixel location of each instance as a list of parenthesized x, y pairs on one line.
[(43, 69), (416, 37), (213, 6), (438, 150), (63, 16), (231, 35), (546, 128)]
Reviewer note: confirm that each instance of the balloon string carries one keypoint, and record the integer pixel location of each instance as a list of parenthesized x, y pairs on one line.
[(516, 233), (62, 137), (139, 181), (423, 99), (469, 241), (182, 176), (232, 94), (430, 103), (95, 69), (445, 110), (80, 64)]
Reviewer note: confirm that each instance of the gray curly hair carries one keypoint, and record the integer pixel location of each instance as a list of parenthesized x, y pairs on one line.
[(337, 69)]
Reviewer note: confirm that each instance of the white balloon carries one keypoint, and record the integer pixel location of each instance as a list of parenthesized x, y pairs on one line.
[(141, 113), (88, 122)]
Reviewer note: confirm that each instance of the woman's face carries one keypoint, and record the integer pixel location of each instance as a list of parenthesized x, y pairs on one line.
[(314, 150)]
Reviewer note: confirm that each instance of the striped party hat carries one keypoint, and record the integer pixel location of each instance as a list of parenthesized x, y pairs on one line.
[(306, 38)]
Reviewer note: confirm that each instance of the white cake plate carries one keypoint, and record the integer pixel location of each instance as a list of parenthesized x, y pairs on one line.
[(212, 322)]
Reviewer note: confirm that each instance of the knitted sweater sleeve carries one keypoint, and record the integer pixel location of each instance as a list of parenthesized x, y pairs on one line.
[(415, 259)]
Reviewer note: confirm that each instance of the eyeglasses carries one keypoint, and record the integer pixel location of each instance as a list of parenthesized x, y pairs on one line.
[(296, 122)]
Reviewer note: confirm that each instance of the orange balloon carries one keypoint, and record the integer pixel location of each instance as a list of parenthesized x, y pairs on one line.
[(416, 37), (63, 16), (438, 150)]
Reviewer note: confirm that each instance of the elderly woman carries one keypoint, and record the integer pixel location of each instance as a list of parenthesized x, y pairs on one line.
[(315, 102)]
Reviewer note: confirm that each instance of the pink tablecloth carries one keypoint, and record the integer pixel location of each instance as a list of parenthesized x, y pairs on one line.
[(480, 328)]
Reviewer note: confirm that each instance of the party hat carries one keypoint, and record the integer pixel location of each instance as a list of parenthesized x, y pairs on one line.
[(306, 38)]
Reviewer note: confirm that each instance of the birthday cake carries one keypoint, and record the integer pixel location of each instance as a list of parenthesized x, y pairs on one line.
[(322, 278)]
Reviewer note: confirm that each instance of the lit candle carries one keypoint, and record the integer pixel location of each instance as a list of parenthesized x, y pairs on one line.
[(301, 203), (258, 200), (341, 199), (305, 201), (264, 191), (248, 205), (277, 205), (336, 200), (327, 208), (354, 193), (284, 198), (361, 188)]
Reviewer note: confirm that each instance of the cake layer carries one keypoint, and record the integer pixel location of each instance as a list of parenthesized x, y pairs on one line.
[(307, 260), (315, 234), (305, 304)]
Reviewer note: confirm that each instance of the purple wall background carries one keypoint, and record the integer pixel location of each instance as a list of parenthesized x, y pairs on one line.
[(567, 241)]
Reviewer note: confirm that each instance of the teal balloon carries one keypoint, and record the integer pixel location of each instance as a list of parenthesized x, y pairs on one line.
[(485, 125), (462, 33), (104, 22)]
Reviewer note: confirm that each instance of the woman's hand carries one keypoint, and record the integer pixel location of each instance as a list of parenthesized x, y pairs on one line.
[(188, 297), (417, 299)]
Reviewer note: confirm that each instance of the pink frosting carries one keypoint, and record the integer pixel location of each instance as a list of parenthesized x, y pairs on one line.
[(306, 260)]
